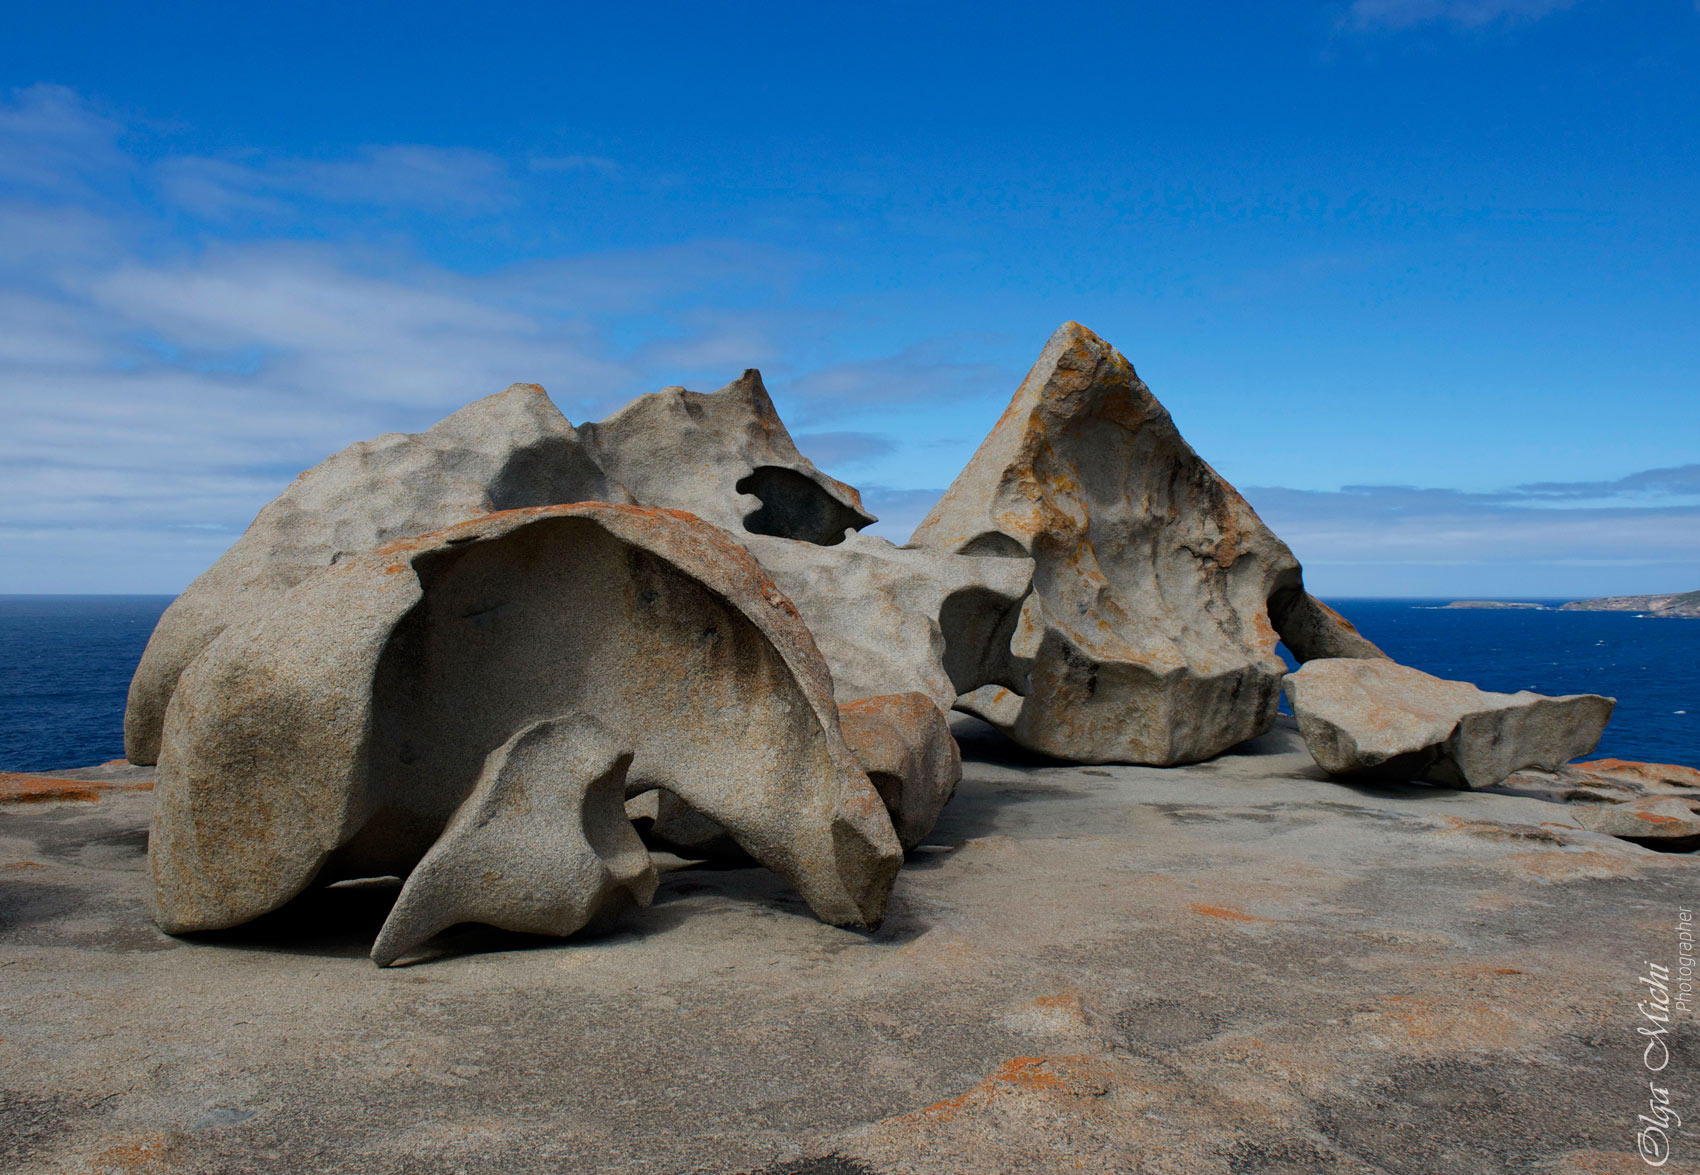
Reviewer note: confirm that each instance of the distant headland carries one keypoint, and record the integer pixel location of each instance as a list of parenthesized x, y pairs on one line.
[(1682, 605)]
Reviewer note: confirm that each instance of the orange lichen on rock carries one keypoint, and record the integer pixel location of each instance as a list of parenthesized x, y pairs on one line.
[(16, 788), (1224, 912), (1070, 1076)]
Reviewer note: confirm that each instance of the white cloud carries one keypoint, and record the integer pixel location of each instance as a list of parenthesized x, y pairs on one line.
[(1515, 539), (54, 142), (406, 175), (166, 390), (1402, 14)]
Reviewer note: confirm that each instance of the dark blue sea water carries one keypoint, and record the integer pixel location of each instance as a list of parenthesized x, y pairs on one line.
[(65, 665), (1652, 667)]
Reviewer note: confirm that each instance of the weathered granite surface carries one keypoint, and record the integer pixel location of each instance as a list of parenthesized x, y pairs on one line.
[(1158, 594), (507, 451), (1229, 968)]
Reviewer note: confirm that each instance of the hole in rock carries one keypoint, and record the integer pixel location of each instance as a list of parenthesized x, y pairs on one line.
[(795, 507)]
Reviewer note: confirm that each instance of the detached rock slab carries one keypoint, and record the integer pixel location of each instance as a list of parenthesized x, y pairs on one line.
[(1377, 718), (1656, 804)]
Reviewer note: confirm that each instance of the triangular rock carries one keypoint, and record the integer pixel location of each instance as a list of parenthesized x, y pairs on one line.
[(1157, 591)]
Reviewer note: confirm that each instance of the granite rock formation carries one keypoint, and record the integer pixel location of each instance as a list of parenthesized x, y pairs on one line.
[(501, 658), (727, 458), (338, 734), (887, 619), (1376, 718), (509, 450), (902, 741), (1158, 595)]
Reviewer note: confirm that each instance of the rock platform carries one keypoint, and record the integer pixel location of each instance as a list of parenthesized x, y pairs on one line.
[(1233, 967)]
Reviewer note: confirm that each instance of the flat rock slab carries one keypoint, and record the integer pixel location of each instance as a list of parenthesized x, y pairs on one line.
[(1237, 966), (1375, 718)]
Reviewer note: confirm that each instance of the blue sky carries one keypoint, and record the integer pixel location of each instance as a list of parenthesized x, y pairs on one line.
[(1419, 276)]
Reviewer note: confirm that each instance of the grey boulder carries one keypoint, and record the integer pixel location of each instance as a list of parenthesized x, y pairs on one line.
[(1158, 594), (893, 620), (512, 449), (903, 742), (1376, 718), (413, 704)]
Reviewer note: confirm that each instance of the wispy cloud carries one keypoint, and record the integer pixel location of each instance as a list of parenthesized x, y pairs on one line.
[(1519, 534), (53, 142), (843, 450), (933, 371), (396, 176), (1404, 14), (156, 397)]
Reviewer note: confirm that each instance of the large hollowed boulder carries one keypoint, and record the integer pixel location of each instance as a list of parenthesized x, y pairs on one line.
[(513, 449), (1158, 595), (449, 696), (1379, 719)]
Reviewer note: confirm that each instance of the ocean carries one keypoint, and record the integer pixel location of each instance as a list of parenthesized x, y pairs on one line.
[(65, 665)]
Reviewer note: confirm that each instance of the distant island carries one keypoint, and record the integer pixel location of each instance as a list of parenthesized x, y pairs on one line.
[(1497, 604), (1682, 605)]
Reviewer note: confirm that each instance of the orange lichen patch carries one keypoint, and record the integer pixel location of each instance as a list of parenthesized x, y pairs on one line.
[(1655, 818), (1068, 1076), (21, 866), (1062, 999), (1550, 834), (1224, 912), (1506, 971), (1610, 1163), (1642, 772), (40, 789), (146, 1153), (1580, 866)]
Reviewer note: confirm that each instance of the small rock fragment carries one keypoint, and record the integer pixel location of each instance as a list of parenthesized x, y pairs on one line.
[(541, 846), (903, 742)]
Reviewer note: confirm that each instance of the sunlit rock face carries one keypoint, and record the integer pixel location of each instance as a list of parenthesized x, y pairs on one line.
[(1149, 635)]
